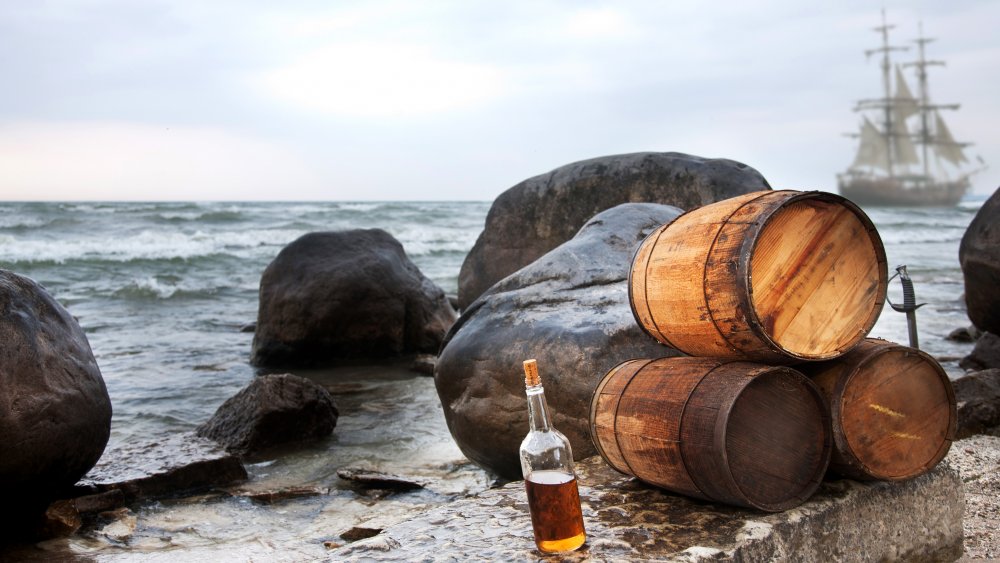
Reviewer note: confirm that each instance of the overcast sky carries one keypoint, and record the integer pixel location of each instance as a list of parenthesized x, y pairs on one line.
[(454, 100)]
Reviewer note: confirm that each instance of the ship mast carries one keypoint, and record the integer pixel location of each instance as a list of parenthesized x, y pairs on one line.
[(925, 106), (886, 103)]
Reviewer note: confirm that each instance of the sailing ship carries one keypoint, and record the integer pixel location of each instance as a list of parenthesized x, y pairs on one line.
[(906, 154)]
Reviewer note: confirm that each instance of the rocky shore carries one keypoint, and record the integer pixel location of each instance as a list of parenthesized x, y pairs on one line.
[(353, 298)]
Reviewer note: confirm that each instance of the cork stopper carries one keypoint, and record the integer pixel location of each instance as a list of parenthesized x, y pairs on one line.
[(531, 378)]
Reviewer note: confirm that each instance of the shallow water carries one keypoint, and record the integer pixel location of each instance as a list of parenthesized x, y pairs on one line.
[(162, 289)]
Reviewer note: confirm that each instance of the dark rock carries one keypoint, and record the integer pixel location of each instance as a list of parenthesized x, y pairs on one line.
[(978, 399), (424, 363), (358, 533), (341, 295), (61, 519), (979, 255), (915, 520), (569, 310), (271, 411), (985, 354), (249, 327), (100, 502), (179, 463), (966, 334), (378, 480), (55, 413), (542, 212), (273, 496)]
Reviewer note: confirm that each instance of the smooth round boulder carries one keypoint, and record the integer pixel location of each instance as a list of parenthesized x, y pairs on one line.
[(569, 310), (272, 410), (979, 256), (343, 295), (542, 212), (55, 412)]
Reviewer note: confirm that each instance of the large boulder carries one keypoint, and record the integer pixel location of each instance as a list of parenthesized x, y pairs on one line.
[(569, 310), (272, 410), (543, 212), (55, 413), (979, 255), (331, 296), (977, 396)]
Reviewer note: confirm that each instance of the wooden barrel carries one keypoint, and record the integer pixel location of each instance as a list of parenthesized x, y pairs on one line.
[(735, 432), (892, 409), (771, 276)]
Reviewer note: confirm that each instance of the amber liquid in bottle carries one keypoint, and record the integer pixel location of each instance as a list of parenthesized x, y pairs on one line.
[(547, 466), (554, 502)]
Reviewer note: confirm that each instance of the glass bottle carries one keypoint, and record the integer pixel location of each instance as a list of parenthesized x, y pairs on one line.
[(547, 466)]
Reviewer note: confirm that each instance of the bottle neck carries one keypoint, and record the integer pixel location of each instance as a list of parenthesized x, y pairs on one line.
[(538, 410)]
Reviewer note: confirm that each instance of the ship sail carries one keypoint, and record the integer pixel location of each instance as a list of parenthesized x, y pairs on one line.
[(873, 150), (903, 150), (945, 145), (906, 105)]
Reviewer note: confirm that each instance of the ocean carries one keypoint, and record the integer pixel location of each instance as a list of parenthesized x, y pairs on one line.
[(162, 291)]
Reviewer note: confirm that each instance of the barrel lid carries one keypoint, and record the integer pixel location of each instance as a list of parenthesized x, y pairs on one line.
[(897, 412)]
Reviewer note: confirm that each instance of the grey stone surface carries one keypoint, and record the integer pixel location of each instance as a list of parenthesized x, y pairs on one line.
[(334, 296), (569, 310), (979, 256), (272, 410), (915, 520), (55, 413), (179, 463), (544, 211), (977, 460)]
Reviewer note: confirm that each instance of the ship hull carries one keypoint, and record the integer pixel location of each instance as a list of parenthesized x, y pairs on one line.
[(888, 192)]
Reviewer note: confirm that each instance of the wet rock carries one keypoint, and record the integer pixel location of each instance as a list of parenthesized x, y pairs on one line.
[(979, 256), (978, 399), (359, 533), (985, 354), (569, 310), (249, 327), (101, 502), (61, 519), (273, 496), (964, 334), (178, 463), (424, 363), (542, 212), (121, 529), (378, 480), (272, 410), (55, 413), (915, 520), (331, 296)]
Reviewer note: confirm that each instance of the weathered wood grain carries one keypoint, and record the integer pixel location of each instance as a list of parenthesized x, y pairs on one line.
[(892, 407), (773, 276), (729, 431)]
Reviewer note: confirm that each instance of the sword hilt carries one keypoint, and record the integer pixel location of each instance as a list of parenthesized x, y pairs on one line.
[(909, 296)]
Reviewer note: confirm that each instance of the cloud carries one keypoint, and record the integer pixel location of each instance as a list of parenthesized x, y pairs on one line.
[(129, 161), (599, 23), (381, 80)]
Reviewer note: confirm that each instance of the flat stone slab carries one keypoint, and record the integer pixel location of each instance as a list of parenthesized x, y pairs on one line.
[(916, 520), (175, 464)]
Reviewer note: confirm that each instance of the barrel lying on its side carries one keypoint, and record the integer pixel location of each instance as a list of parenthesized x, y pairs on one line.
[(892, 410), (735, 432), (773, 276)]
